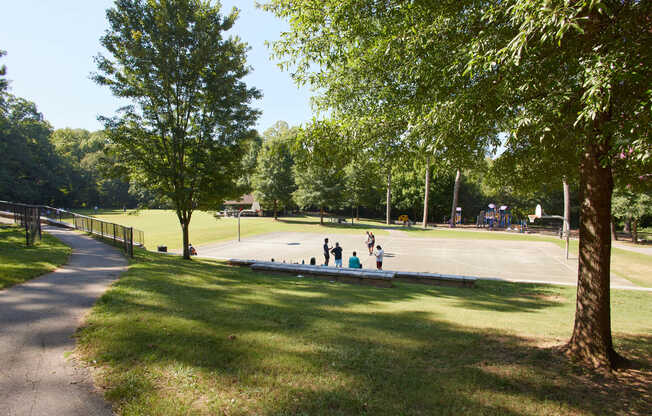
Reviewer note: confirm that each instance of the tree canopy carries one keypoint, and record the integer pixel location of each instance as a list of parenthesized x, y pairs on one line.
[(273, 180), (184, 135)]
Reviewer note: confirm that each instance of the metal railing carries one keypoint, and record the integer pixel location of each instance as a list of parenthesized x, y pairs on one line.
[(27, 216), (120, 235)]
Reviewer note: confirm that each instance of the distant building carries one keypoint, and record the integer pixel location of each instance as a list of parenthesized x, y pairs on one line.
[(245, 202)]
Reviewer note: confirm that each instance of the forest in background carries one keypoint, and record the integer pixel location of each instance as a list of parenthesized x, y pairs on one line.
[(76, 168)]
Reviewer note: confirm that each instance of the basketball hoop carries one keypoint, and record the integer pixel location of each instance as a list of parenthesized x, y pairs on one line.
[(532, 217)]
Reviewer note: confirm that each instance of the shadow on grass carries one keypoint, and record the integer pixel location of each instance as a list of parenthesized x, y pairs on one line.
[(181, 336)]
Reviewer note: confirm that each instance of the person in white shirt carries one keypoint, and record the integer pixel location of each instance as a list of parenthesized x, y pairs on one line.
[(379, 257)]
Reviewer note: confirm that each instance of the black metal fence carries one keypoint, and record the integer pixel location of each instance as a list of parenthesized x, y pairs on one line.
[(33, 215), (123, 236), (27, 216)]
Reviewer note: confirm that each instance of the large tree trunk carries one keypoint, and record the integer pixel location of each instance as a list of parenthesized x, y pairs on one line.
[(566, 226), (388, 217), (456, 192), (275, 210), (426, 194), (635, 231), (614, 235), (591, 340), (627, 227), (357, 213)]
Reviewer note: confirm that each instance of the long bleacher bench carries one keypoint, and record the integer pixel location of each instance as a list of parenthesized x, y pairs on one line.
[(379, 278)]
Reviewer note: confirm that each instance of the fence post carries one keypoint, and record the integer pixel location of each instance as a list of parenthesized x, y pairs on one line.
[(26, 224), (131, 241), (38, 221)]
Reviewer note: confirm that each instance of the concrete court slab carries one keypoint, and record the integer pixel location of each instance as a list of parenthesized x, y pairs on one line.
[(520, 261), (37, 321)]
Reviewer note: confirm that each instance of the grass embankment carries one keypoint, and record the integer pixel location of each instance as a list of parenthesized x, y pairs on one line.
[(176, 337), (19, 263), (161, 227)]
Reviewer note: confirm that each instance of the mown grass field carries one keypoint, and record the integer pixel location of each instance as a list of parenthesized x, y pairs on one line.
[(162, 227), (19, 263), (175, 337)]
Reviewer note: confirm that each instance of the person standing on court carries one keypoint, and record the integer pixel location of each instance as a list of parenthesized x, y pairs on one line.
[(379, 257), (327, 250), (371, 240), (337, 251)]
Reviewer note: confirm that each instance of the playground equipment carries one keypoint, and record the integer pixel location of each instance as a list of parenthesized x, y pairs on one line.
[(404, 219), (504, 216), (538, 213), (490, 215)]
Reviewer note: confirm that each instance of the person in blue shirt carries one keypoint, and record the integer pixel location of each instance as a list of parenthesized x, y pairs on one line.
[(354, 262)]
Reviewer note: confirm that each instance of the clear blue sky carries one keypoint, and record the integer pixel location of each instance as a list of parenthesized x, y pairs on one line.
[(51, 44)]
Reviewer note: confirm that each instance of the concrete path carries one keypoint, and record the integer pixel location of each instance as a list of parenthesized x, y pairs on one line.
[(637, 248), (37, 321)]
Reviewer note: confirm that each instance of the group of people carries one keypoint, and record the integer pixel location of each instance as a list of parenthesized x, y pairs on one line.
[(354, 260)]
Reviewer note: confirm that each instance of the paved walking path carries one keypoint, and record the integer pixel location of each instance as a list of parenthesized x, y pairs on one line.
[(37, 321)]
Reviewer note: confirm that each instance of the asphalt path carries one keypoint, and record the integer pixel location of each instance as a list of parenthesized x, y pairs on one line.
[(37, 322)]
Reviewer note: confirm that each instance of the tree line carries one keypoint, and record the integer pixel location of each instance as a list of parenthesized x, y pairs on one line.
[(350, 182)]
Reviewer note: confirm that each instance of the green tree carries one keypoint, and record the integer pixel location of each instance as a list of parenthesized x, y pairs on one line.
[(319, 167), (577, 66), (524, 66), (249, 161), (632, 206), (184, 134), (4, 84), (31, 171), (273, 180), (363, 184)]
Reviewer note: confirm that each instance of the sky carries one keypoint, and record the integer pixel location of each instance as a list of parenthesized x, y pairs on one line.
[(50, 47)]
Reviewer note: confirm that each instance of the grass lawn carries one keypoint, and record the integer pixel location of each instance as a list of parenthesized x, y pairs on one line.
[(175, 337), (162, 227), (19, 263)]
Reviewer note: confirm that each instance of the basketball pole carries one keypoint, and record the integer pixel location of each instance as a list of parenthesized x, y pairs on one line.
[(240, 213), (566, 225)]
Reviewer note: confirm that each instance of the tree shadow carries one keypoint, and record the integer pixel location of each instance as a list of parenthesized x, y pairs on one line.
[(265, 344)]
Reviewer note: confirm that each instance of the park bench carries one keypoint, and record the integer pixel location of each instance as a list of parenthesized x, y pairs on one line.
[(381, 278)]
